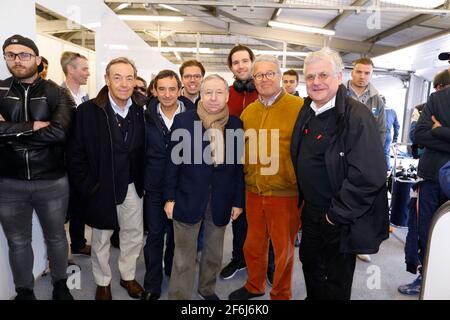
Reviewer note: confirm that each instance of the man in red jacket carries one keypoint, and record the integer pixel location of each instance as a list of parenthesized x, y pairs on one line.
[(242, 93)]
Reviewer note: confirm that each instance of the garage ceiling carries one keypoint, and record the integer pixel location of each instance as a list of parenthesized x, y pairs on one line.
[(362, 27)]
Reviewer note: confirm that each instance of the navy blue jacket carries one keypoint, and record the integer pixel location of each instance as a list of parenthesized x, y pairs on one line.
[(436, 141), (190, 184), (156, 144)]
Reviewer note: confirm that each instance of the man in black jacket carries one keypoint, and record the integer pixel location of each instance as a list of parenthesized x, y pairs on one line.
[(433, 133), (106, 153), (341, 174), (35, 116)]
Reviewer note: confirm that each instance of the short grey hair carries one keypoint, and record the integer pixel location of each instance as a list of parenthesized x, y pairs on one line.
[(212, 77), (325, 54), (267, 58)]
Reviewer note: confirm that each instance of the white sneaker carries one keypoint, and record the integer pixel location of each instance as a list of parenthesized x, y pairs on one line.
[(364, 257)]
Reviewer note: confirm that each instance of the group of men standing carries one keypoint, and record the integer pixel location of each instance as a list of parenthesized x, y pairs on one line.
[(200, 154)]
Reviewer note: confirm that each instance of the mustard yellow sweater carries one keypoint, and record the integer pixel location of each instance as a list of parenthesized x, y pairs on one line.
[(268, 167)]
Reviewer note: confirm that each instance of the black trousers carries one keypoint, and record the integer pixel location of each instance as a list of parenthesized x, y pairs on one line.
[(76, 221), (328, 272), (158, 226), (239, 228)]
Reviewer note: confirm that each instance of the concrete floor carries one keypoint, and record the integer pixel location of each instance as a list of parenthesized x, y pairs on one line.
[(377, 280)]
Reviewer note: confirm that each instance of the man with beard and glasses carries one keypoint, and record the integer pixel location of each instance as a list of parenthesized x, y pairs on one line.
[(35, 116)]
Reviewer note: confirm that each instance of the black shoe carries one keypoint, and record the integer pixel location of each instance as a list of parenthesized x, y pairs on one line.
[(61, 291), (230, 270), (243, 294), (270, 271), (209, 296), (150, 296), (25, 294)]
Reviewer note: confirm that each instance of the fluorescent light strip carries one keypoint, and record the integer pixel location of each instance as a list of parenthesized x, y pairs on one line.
[(122, 6), (280, 53), (297, 27), (132, 17), (184, 49), (165, 6)]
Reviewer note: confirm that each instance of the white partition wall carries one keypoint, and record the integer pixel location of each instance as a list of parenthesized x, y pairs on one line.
[(113, 38), (23, 10)]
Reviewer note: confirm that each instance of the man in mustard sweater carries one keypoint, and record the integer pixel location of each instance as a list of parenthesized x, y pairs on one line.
[(271, 188)]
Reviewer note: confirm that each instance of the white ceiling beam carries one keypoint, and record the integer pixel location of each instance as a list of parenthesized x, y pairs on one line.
[(54, 26), (305, 39), (319, 5)]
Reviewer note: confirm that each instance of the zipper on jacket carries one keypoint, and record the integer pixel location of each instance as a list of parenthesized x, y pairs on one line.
[(27, 161)]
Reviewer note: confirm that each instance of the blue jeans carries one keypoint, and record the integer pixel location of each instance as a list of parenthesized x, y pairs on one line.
[(387, 146), (49, 198)]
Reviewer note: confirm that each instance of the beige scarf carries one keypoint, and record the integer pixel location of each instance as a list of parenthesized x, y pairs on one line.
[(216, 122)]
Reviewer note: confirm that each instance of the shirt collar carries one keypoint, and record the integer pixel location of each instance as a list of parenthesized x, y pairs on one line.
[(168, 122), (116, 107), (327, 106), (271, 100)]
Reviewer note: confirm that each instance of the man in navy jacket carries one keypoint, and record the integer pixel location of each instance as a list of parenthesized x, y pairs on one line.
[(204, 183), (159, 115), (433, 133)]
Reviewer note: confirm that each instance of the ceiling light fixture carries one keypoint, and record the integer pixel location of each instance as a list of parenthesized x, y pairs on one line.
[(132, 17), (122, 6), (280, 53), (165, 6), (184, 49), (296, 27)]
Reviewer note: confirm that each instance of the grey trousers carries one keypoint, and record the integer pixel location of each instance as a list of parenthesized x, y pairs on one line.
[(49, 198), (182, 279)]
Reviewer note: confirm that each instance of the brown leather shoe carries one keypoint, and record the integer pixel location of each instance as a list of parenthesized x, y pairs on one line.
[(103, 293), (134, 289), (86, 250)]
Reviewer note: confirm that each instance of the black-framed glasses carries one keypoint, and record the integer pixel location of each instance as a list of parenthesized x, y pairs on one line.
[(192, 76), (23, 56), (269, 75)]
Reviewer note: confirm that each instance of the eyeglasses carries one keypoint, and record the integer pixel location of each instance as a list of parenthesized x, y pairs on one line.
[(322, 76), (142, 89), (269, 75), (23, 56), (192, 76)]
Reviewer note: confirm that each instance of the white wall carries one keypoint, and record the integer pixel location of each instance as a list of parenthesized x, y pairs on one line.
[(113, 37), (23, 11)]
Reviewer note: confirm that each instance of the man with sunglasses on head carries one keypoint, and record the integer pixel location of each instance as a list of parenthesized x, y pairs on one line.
[(35, 118), (140, 86)]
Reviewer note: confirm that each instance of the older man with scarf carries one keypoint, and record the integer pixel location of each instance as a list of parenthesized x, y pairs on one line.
[(204, 183)]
